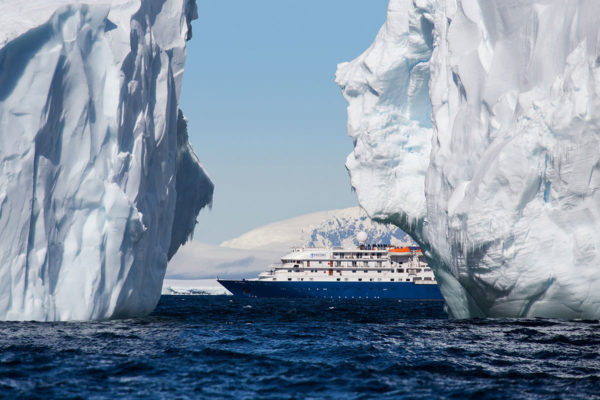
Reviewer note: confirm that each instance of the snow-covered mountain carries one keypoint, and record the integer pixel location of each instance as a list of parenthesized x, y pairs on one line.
[(251, 253), (99, 185), (325, 229), (476, 128)]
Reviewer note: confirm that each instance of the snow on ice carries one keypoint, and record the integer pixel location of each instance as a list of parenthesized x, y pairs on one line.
[(476, 129), (99, 185)]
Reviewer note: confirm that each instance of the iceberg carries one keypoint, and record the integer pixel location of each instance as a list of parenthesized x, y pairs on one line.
[(99, 185), (476, 129)]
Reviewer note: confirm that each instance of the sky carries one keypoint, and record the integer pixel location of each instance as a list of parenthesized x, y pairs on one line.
[(265, 117)]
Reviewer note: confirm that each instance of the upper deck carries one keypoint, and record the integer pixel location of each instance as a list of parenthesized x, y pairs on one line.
[(367, 262)]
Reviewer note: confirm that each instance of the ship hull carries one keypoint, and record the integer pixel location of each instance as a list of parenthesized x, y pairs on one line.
[(334, 290)]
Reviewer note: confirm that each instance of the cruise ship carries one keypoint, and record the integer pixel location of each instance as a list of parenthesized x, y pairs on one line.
[(369, 271)]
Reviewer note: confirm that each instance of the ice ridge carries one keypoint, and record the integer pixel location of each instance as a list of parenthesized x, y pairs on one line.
[(98, 184), (476, 129)]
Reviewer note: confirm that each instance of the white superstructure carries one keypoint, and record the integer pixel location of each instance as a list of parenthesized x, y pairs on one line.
[(367, 263)]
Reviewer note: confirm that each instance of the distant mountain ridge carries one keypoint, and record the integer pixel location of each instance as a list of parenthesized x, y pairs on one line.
[(321, 229), (340, 229)]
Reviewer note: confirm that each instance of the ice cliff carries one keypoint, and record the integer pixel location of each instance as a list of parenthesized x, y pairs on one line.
[(476, 126), (98, 183)]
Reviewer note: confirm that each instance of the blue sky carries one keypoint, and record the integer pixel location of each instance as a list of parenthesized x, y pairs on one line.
[(265, 116)]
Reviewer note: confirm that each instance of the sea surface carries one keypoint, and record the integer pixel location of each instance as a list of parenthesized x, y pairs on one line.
[(221, 347)]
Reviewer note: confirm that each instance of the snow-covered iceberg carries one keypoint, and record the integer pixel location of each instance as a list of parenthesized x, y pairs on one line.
[(477, 130), (98, 183)]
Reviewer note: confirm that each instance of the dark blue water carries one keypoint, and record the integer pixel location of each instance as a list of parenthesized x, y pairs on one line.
[(219, 347)]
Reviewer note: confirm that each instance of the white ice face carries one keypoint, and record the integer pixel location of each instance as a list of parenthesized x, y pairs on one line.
[(98, 184), (477, 130)]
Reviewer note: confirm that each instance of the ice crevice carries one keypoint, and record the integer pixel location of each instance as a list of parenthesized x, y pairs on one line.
[(99, 184), (501, 189)]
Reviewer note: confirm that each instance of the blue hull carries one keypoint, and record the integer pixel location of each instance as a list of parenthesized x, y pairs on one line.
[(334, 290)]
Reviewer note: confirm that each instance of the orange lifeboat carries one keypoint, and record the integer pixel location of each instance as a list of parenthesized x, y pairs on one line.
[(403, 250)]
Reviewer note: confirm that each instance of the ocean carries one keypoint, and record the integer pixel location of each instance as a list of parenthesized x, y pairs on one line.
[(222, 347)]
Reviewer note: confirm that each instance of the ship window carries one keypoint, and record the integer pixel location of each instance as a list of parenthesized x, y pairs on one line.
[(289, 270), (319, 262), (289, 279), (360, 279), (366, 271), (338, 279), (296, 266), (407, 280), (392, 279), (378, 271), (371, 279), (353, 271), (400, 269)]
